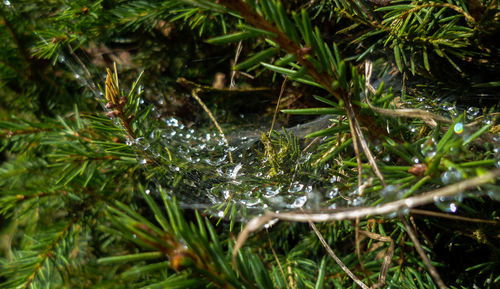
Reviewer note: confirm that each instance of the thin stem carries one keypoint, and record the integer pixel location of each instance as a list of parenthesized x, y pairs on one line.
[(432, 270), (214, 120), (278, 104), (337, 259), (353, 213)]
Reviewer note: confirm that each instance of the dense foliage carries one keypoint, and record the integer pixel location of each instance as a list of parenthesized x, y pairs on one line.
[(144, 144)]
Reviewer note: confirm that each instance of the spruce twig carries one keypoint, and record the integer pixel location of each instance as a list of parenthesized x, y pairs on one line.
[(323, 79)]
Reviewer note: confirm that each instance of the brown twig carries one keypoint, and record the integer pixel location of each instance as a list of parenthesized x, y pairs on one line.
[(452, 217), (432, 270), (278, 104), (353, 213), (194, 93), (276, 257), (232, 84), (384, 268), (334, 256)]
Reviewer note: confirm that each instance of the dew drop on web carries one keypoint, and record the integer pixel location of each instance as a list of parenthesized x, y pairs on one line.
[(459, 128), (447, 204), (451, 176)]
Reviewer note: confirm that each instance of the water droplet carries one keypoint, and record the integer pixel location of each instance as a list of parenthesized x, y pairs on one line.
[(386, 158), (7, 2), (473, 112), (141, 143), (451, 176), (226, 194), (314, 198), (143, 161), (459, 128), (494, 193), (148, 192), (356, 201), (235, 171), (77, 76), (271, 191), (333, 193), (305, 158), (391, 193), (415, 160), (129, 142), (404, 211), (429, 148), (251, 201), (134, 236), (299, 202), (296, 187), (447, 204), (270, 223)]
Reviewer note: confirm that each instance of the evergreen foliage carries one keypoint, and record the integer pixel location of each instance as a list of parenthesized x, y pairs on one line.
[(130, 181)]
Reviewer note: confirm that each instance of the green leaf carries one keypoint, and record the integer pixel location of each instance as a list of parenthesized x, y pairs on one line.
[(312, 111), (477, 133), (329, 131), (158, 214), (426, 59), (131, 258), (321, 274), (307, 28), (235, 37), (255, 30), (397, 56), (285, 60), (293, 74), (325, 100), (256, 58), (286, 24), (487, 84)]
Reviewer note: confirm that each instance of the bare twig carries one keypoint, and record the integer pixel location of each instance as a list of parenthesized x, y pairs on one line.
[(278, 104), (356, 152), (232, 84), (356, 130), (353, 213), (387, 257), (448, 216), (194, 92), (337, 259), (276, 257), (428, 117), (432, 270)]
